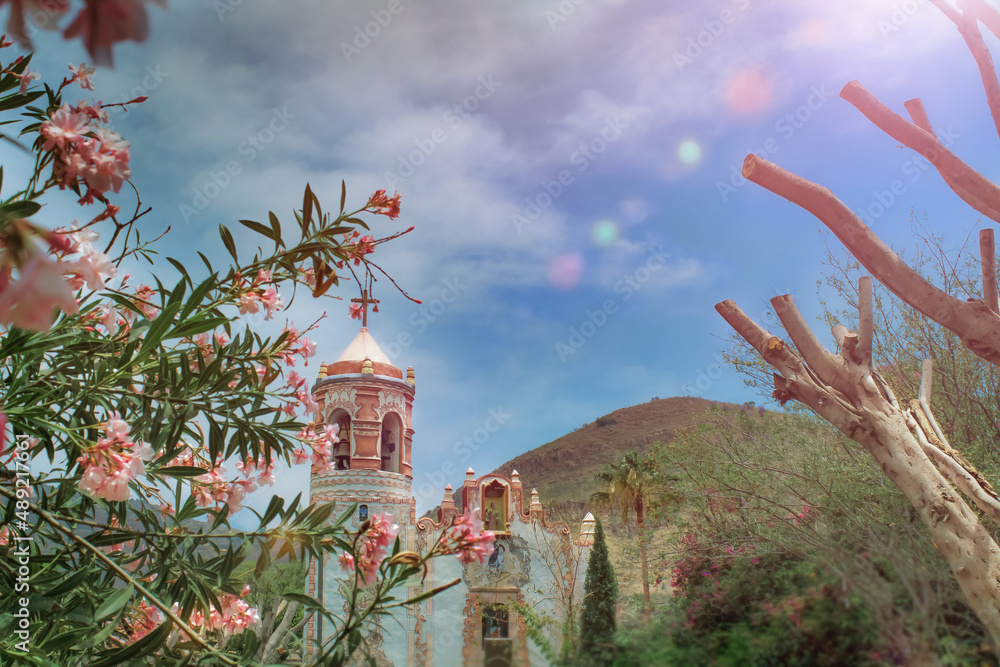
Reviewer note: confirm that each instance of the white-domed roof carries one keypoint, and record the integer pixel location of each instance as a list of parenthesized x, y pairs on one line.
[(364, 347)]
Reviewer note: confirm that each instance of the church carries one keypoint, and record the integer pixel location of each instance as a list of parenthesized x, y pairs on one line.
[(536, 571)]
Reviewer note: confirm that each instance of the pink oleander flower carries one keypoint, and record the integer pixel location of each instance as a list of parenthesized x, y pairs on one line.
[(249, 303), (382, 531), (147, 619), (113, 462), (44, 14), (26, 78), (82, 75), (309, 406), (355, 310), (380, 204), (143, 296), (94, 269), (470, 542), (103, 23), (363, 246), (346, 561), (65, 127), (299, 456), (41, 288), (272, 302), (109, 318)]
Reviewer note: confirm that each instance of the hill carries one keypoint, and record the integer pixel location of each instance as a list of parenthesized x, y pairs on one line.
[(563, 470)]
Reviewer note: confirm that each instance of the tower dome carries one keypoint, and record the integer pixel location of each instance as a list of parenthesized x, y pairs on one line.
[(352, 359)]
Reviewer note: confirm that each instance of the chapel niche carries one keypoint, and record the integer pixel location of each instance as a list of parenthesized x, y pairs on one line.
[(495, 507)]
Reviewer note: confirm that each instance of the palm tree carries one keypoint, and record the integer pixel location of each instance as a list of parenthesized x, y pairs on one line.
[(629, 484)]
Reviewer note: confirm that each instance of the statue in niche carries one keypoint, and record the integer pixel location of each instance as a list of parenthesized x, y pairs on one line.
[(495, 507)]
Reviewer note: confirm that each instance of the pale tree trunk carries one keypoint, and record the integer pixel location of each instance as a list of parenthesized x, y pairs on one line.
[(845, 389)]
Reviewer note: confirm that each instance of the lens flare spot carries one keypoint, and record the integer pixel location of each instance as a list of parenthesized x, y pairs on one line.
[(566, 270), (604, 232), (689, 151), (748, 91)]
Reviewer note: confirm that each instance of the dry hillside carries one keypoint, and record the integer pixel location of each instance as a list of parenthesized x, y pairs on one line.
[(563, 470)]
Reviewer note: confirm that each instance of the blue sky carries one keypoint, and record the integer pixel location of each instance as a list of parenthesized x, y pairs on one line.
[(563, 163)]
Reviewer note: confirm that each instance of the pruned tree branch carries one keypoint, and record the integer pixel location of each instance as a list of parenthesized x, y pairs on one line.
[(972, 321), (974, 188)]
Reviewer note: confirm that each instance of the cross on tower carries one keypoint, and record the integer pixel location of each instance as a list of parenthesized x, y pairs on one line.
[(364, 301)]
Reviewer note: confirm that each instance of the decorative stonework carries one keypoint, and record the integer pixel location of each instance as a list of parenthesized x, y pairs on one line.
[(390, 401), (343, 398)]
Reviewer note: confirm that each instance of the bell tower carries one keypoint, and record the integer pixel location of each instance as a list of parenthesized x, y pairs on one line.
[(372, 402)]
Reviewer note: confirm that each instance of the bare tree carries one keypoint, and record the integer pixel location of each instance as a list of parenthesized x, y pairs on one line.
[(847, 390)]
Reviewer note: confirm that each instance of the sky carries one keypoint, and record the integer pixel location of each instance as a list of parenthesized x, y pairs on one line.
[(571, 169)]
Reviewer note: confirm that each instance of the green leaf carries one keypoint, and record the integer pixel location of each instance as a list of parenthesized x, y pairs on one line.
[(276, 229), (343, 195), (426, 594), (117, 600), (250, 643), (198, 295), (307, 208), (179, 471), (257, 227), (148, 644), (306, 601), (19, 100), (227, 239), (19, 209)]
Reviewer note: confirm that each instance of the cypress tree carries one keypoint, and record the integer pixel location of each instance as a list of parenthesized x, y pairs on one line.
[(600, 599)]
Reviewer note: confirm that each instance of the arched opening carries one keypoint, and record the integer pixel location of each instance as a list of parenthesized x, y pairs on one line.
[(497, 649), (391, 444), (342, 449)]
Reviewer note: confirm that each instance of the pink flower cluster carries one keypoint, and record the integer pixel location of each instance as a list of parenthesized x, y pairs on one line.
[(297, 345), (467, 539), (371, 549), (321, 440), (356, 250), (113, 462), (234, 615), (256, 294), (87, 151), (298, 385), (214, 488), (381, 204), (206, 348), (100, 23), (145, 620), (41, 288)]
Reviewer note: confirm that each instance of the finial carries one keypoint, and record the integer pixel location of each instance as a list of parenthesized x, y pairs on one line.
[(366, 366), (470, 472), (587, 530), (322, 371), (411, 377)]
